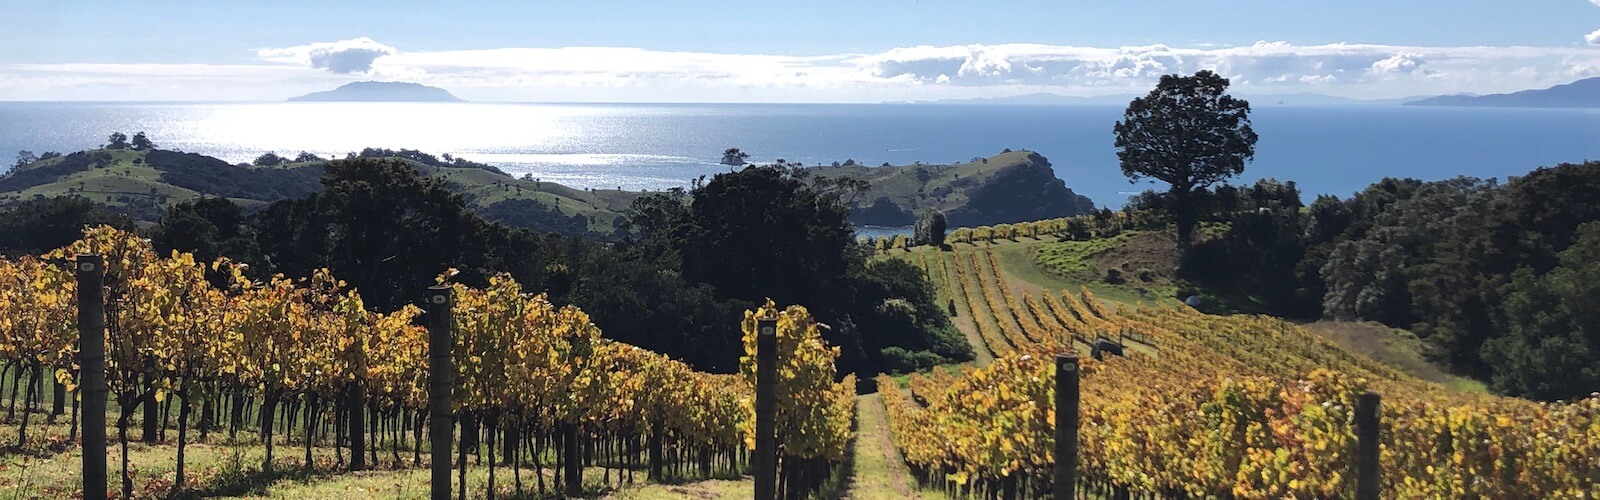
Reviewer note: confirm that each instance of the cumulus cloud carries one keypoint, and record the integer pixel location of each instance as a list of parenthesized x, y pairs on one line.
[(355, 55), (905, 73), (1593, 38), (1262, 62), (1398, 64)]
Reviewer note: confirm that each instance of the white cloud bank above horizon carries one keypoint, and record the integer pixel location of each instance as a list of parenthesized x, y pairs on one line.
[(905, 73)]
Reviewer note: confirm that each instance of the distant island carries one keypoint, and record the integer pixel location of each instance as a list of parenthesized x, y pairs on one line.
[(380, 92), (1580, 94)]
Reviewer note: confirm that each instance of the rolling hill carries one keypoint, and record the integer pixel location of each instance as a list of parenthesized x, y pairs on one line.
[(1010, 187), (1013, 186), (144, 183)]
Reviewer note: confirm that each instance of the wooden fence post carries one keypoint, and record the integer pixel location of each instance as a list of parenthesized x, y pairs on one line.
[(92, 355), (1367, 469), (441, 424), (1066, 405), (766, 459), (356, 401)]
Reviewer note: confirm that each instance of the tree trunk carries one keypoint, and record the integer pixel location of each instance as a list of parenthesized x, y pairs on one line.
[(205, 415), (1186, 216), (72, 430), (461, 457), (122, 439), (152, 413), (28, 402), (237, 417), (269, 407), (573, 460), (183, 435), (59, 400), (311, 411), (491, 424)]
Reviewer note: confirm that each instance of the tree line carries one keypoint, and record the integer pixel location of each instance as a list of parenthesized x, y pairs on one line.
[(694, 259)]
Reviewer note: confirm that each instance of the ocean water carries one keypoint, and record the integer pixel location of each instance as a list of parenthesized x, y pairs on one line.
[(1335, 150)]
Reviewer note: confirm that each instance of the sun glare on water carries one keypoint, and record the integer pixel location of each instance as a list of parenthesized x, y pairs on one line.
[(332, 129)]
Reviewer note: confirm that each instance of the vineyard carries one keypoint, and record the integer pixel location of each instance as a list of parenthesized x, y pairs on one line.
[(303, 365), (1209, 406)]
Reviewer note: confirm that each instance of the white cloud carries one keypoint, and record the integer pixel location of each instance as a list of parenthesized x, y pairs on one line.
[(1397, 64), (344, 56), (905, 73), (1593, 38)]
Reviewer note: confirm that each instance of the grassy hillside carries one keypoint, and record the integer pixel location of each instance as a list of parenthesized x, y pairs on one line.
[(144, 183), (1010, 187), (1013, 186)]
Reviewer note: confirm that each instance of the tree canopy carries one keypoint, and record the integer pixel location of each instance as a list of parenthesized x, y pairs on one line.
[(1189, 133)]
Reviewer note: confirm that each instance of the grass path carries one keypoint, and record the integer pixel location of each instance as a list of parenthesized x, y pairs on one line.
[(878, 472)]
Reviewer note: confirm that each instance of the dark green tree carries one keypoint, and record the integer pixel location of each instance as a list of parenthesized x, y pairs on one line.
[(762, 233), (382, 226), (142, 143), (929, 229), (769, 232), (1551, 346), (209, 228), (40, 225), (25, 157), (118, 140), (1189, 133), (269, 159), (734, 157)]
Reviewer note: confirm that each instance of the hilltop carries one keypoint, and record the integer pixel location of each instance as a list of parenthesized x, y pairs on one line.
[(1580, 94), (144, 183), (381, 92), (1009, 187)]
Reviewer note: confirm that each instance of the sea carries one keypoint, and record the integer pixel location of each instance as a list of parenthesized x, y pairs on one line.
[(1327, 149)]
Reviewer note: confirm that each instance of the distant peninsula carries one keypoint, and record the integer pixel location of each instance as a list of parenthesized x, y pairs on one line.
[(1580, 94), (380, 92)]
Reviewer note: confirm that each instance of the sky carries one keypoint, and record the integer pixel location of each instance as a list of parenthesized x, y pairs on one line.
[(763, 51)]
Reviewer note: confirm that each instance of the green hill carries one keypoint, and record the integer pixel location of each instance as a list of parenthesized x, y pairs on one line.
[(144, 183), (1010, 187), (1013, 186)]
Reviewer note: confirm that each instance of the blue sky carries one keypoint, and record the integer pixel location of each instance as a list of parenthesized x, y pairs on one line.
[(838, 51)]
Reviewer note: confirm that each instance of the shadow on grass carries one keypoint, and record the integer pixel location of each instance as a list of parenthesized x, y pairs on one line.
[(235, 480)]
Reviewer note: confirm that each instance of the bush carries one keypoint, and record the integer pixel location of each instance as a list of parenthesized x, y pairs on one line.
[(1146, 275), (897, 359), (1114, 276)]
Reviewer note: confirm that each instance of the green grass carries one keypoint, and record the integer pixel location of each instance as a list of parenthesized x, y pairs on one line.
[(1026, 272), (50, 466), (1394, 347), (715, 489), (1076, 257), (877, 472)]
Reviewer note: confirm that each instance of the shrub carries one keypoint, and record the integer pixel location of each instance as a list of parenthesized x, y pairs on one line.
[(1114, 276)]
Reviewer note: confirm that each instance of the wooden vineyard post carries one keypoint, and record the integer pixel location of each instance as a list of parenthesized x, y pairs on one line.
[(92, 355), (357, 404), (1066, 405), (441, 425), (572, 464), (766, 459), (1367, 469)]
